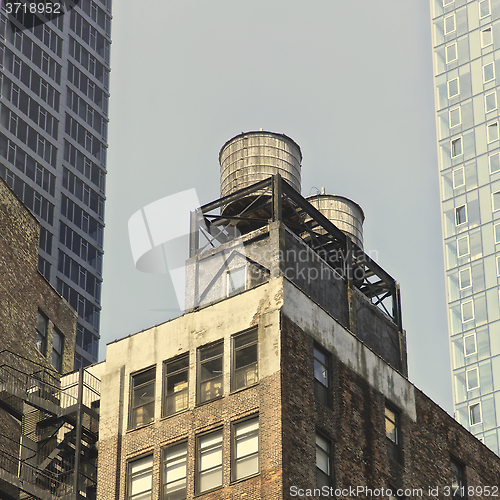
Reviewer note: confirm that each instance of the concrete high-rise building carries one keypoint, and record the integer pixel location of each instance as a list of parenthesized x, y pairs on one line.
[(287, 376), (53, 141), (466, 43)]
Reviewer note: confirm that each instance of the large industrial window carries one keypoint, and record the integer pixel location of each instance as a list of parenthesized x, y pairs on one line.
[(490, 101), (175, 388), (57, 350), (458, 178), (244, 369), (236, 280), (467, 311), (461, 215), (472, 378), (463, 247), (393, 433), (210, 372), (245, 453), (470, 346), (209, 461), (475, 414), (484, 8), (494, 163), (321, 375), (488, 72), (449, 24), (492, 130), (455, 117), (324, 474), (41, 332), (464, 278), (486, 37), (496, 201), (143, 398), (453, 88), (457, 480), (175, 472), (451, 53), (140, 479), (456, 147)]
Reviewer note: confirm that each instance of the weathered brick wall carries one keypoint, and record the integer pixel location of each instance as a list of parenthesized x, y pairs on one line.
[(355, 424)]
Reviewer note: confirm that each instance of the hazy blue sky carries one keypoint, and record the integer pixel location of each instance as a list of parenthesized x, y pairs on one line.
[(350, 82)]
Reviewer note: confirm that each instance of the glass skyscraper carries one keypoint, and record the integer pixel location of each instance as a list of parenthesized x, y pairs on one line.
[(466, 46), (53, 140)]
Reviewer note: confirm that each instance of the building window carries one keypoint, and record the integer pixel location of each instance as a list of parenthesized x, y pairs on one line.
[(467, 311), (324, 474), (449, 24), (498, 266), (41, 332), (486, 37), (460, 215), (492, 130), (451, 53), (475, 414), (484, 8), (494, 163), (488, 72), (456, 147), (447, 2), (497, 233), (236, 281), (457, 480), (245, 448), (453, 88), (209, 461), (393, 433), (490, 101), (458, 178), (463, 246), (143, 398), (321, 382), (470, 346), (472, 378), (57, 350), (175, 389), (464, 278), (140, 479), (455, 117), (496, 201), (175, 472), (210, 372), (244, 360)]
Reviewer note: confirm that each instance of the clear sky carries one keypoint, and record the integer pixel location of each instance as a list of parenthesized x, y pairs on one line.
[(350, 82)]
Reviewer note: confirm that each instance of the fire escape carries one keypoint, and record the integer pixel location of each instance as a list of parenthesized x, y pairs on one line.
[(48, 431)]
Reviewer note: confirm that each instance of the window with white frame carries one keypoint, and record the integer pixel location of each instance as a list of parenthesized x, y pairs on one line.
[(175, 389), (451, 53), (244, 368), (475, 414), (490, 101), (486, 37), (467, 311), (455, 117), (494, 163), (464, 278), (210, 372), (208, 461), (472, 379), (460, 215), (140, 479), (447, 2), (498, 265), (142, 407), (236, 280), (453, 88), (470, 345), (458, 177), (495, 198), (488, 72), (449, 24), (463, 247), (245, 452), (324, 475), (492, 129), (497, 233), (484, 8), (175, 472), (456, 147)]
